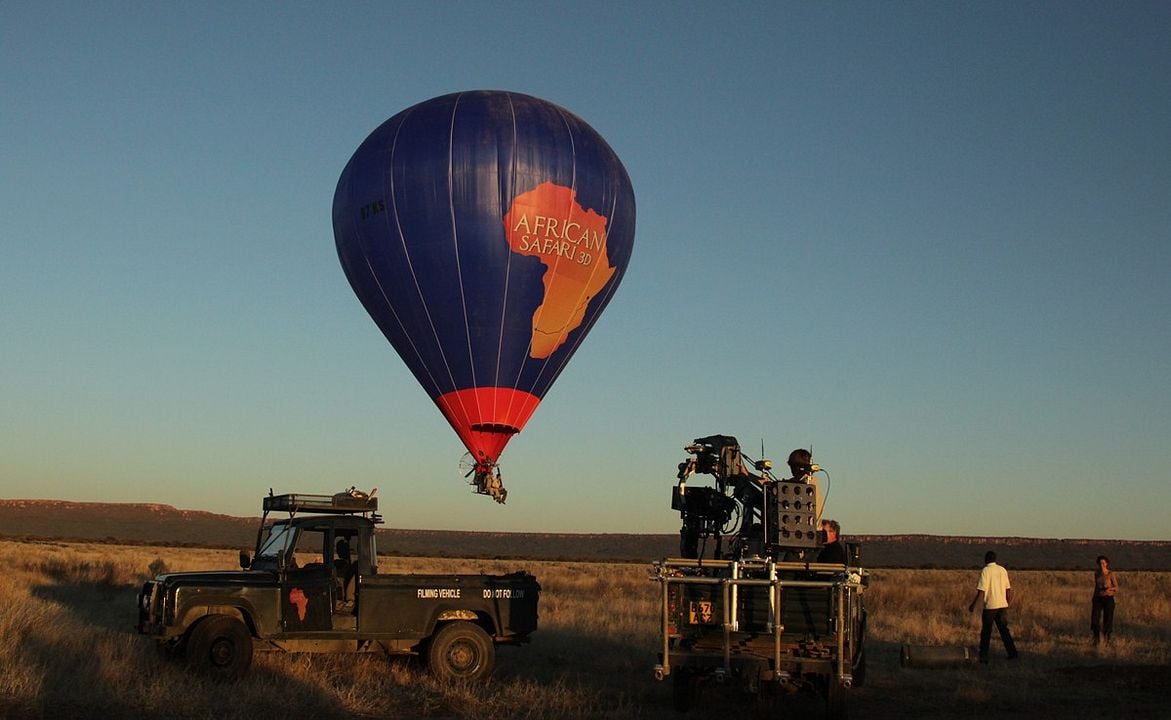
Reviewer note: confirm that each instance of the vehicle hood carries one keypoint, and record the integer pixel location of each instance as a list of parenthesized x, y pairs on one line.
[(217, 577)]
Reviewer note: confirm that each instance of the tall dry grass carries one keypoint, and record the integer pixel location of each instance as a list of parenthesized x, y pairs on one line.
[(1050, 613), (68, 649)]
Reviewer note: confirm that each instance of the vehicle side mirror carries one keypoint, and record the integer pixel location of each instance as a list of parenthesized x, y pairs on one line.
[(245, 560)]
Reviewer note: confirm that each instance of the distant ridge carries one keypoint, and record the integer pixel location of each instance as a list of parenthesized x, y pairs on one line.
[(946, 551), (131, 523), (155, 524)]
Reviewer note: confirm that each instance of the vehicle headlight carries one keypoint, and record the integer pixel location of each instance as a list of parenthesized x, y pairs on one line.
[(145, 596)]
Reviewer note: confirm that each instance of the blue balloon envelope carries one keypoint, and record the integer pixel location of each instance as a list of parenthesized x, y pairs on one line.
[(484, 232)]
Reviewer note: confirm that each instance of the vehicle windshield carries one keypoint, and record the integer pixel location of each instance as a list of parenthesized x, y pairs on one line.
[(279, 540)]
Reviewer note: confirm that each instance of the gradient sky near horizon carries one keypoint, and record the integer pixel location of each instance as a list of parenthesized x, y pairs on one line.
[(930, 239)]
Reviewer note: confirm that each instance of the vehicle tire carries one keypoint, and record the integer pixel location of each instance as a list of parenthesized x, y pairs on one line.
[(169, 652), (220, 647), (836, 705), (684, 690), (461, 652), (859, 671)]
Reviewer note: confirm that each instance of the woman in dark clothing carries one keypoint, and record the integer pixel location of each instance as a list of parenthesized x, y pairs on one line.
[(1102, 607)]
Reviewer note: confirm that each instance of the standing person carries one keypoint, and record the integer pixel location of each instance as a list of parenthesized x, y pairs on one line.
[(995, 593), (1102, 607), (802, 467), (801, 464), (833, 551)]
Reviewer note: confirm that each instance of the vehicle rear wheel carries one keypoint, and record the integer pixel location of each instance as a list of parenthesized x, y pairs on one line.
[(836, 706), (684, 690), (859, 671), (463, 652), (220, 647)]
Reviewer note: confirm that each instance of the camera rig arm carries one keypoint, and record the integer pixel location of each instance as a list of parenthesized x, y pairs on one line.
[(763, 515)]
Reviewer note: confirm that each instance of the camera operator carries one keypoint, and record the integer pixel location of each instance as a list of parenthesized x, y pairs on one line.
[(803, 469), (834, 551)]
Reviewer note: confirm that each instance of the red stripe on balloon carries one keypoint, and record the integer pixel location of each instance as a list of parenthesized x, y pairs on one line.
[(486, 418)]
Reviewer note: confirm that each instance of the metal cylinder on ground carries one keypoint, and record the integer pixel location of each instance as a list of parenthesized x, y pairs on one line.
[(936, 656)]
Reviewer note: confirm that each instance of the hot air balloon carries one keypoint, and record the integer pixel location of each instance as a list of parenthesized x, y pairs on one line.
[(484, 232)]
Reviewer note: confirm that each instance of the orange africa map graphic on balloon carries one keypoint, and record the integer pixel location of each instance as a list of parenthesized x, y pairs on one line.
[(548, 224)]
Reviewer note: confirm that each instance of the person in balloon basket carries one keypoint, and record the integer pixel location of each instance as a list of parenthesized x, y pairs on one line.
[(1102, 606), (994, 594)]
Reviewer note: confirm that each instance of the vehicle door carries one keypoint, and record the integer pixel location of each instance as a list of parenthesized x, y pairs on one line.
[(307, 584)]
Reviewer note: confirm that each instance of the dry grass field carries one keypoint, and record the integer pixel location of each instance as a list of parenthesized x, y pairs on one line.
[(68, 649)]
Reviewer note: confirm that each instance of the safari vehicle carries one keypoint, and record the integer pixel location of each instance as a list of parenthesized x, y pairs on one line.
[(314, 586), (762, 614)]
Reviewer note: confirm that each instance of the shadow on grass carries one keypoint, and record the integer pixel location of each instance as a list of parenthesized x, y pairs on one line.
[(1039, 685), (105, 670), (619, 674), (94, 664)]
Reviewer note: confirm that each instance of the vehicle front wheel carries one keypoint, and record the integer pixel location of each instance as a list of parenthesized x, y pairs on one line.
[(859, 671), (461, 651), (684, 690), (220, 647), (837, 701)]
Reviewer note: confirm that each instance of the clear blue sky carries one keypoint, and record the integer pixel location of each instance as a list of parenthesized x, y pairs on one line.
[(930, 239)]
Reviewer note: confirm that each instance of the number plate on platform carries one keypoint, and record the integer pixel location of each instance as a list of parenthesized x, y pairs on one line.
[(701, 612)]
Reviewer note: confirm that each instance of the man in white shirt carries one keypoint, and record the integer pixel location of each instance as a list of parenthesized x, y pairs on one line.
[(993, 592)]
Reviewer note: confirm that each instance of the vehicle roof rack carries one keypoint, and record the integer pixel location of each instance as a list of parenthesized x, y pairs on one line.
[(343, 503)]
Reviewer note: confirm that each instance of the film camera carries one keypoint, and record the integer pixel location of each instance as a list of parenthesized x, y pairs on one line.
[(759, 514)]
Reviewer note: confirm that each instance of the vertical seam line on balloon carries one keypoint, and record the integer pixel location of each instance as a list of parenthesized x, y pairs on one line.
[(611, 287), (524, 360), (587, 320), (458, 267), (382, 290), (507, 263), (551, 271), (407, 255)]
